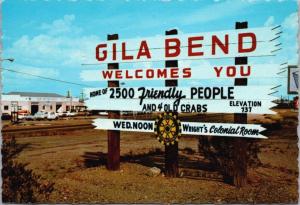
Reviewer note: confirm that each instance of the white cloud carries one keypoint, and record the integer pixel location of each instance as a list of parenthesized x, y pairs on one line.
[(288, 39), (270, 21), (60, 26), (289, 36), (54, 50), (291, 22), (49, 49)]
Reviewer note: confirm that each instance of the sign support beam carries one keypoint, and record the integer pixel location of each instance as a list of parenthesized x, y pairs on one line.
[(171, 151), (240, 145), (113, 136)]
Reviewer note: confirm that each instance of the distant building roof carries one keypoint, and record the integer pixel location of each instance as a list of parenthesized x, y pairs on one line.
[(32, 94)]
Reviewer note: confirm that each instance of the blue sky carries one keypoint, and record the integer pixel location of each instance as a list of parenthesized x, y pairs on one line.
[(53, 38)]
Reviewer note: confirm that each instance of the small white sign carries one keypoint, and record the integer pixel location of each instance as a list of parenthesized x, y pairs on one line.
[(192, 128), (293, 80)]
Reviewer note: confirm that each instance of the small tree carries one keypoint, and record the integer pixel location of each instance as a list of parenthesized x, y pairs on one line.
[(20, 185)]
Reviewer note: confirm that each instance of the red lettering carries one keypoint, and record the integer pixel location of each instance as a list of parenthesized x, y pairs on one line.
[(104, 56), (231, 71), (216, 41), (144, 50), (169, 48), (243, 73), (162, 73), (218, 71), (241, 37), (107, 74), (150, 73), (124, 56), (174, 73), (127, 76), (118, 74), (137, 72), (187, 73), (191, 46)]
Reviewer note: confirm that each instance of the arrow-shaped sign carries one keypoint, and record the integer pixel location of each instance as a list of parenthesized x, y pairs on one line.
[(191, 128), (235, 99), (191, 93), (185, 106)]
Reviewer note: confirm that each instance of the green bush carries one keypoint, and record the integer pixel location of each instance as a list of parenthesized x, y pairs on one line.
[(20, 185)]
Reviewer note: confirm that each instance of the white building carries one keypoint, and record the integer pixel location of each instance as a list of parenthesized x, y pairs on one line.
[(30, 102)]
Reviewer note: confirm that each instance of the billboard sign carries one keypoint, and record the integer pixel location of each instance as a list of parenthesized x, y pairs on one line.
[(170, 101), (293, 79)]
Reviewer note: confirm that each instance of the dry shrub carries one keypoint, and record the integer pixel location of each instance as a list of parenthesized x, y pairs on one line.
[(20, 184), (220, 152)]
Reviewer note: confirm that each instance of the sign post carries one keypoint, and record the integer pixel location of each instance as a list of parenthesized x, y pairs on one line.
[(240, 145), (113, 136), (171, 151)]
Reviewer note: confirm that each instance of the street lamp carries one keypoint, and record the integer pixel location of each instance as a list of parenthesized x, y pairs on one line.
[(14, 113)]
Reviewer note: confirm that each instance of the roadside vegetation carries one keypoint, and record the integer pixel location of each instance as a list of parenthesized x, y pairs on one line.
[(20, 184)]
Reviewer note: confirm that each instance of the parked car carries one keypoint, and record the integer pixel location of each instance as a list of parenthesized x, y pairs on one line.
[(71, 114), (68, 114), (103, 113), (52, 116), (40, 115), (60, 114), (22, 116), (29, 117), (5, 116)]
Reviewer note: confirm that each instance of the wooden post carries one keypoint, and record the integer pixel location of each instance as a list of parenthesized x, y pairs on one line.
[(171, 151), (113, 136), (240, 144)]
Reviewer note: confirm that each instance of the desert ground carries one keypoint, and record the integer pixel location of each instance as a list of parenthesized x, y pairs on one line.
[(73, 157)]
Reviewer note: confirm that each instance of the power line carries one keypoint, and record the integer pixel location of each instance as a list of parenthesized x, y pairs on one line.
[(45, 77)]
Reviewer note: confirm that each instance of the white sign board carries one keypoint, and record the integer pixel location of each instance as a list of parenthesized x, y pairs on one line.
[(185, 106), (293, 80), (194, 73), (222, 44), (178, 93), (191, 128), (235, 99)]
